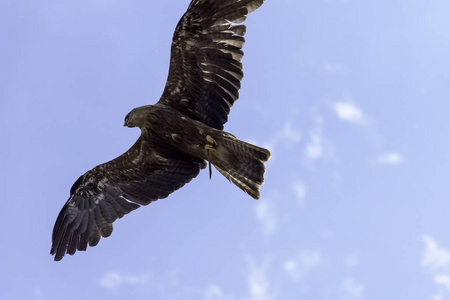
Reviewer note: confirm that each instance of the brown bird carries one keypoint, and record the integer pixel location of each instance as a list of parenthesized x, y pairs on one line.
[(179, 134)]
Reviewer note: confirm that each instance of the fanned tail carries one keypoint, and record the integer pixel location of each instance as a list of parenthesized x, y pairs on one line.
[(240, 162)]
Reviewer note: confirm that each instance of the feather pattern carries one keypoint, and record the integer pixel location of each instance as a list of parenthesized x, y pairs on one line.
[(177, 134), (205, 66), (240, 162), (112, 190)]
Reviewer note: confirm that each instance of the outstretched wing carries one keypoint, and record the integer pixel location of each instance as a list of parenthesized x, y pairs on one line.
[(205, 69), (143, 174)]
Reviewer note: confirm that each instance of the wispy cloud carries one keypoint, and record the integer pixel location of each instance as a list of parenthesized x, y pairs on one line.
[(299, 266), (288, 135), (113, 280), (314, 148), (390, 159), (300, 191), (349, 112), (443, 280), (213, 292), (259, 285), (317, 146), (351, 289), (434, 257), (265, 214)]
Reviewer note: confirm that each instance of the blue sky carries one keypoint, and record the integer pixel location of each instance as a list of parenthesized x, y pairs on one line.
[(350, 96)]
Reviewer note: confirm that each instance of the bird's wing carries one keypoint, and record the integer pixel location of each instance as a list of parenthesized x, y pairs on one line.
[(205, 69), (111, 190)]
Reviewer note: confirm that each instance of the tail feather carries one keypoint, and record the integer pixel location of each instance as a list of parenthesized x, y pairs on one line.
[(241, 163)]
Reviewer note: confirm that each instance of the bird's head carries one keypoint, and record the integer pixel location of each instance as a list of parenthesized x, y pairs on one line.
[(137, 116)]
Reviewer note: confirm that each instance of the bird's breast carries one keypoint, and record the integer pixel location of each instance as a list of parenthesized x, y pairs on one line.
[(169, 128)]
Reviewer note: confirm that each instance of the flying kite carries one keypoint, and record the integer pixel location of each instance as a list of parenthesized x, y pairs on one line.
[(180, 134)]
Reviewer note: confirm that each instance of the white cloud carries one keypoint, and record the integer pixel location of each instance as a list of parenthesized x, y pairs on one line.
[(113, 280), (265, 214), (258, 284), (287, 136), (347, 111), (392, 159), (437, 260), (314, 148), (434, 257), (289, 133), (300, 191), (317, 146), (351, 289), (213, 292), (443, 280), (298, 267)]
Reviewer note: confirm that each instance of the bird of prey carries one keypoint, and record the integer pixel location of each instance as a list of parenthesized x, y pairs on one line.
[(180, 134)]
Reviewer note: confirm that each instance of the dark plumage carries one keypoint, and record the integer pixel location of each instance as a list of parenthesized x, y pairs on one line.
[(179, 134)]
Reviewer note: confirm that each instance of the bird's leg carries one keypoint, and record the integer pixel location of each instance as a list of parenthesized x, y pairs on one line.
[(211, 146)]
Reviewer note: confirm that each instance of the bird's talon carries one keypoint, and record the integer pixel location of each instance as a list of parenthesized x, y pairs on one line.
[(213, 144)]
